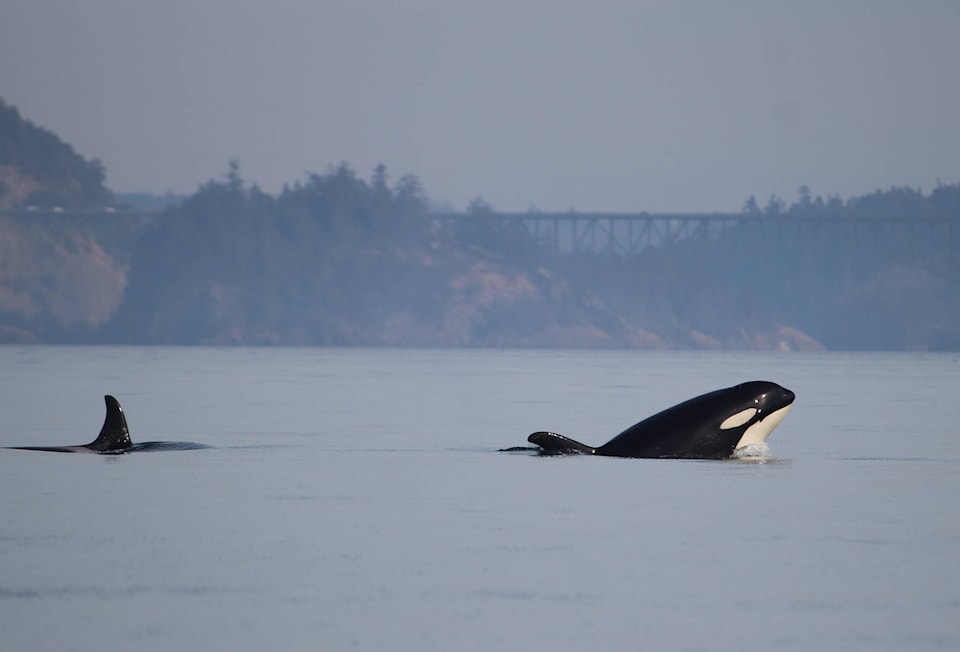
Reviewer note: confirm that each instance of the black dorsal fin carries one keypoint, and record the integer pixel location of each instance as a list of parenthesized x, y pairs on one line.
[(551, 442), (114, 436)]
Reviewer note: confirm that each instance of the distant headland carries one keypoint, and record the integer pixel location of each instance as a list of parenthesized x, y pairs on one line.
[(338, 259)]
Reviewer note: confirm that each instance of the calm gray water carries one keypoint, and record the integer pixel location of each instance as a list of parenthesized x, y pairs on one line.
[(354, 499)]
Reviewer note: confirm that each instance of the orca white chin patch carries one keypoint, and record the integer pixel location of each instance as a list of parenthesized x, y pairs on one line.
[(758, 432)]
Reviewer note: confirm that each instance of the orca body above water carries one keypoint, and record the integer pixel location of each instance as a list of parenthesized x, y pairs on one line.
[(114, 438), (711, 426)]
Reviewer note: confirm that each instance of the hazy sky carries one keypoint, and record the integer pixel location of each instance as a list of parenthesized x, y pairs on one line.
[(593, 105)]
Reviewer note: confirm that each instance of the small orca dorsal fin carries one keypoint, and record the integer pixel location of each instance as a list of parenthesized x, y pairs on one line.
[(114, 435), (551, 442)]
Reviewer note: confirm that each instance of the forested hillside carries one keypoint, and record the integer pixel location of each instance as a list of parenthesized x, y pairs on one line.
[(38, 169), (339, 259)]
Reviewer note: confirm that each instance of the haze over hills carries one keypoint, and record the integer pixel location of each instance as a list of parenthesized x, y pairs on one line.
[(338, 259)]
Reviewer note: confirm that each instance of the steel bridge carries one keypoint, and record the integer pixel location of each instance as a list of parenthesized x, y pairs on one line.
[(628, 234)]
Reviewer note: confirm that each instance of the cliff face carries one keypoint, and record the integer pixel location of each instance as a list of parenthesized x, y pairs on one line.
[(61, 278), (55, 284), (495, 304)]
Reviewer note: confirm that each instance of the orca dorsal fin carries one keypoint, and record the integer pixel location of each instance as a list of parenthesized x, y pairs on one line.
[(551, 442), (114, 435)]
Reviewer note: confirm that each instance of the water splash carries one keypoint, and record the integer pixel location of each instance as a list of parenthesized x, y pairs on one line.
[(752, 452)]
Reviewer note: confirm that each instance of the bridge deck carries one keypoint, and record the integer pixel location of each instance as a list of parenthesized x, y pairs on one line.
[(629, 234)]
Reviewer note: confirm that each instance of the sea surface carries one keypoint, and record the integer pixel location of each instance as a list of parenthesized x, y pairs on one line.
[(355, 499)]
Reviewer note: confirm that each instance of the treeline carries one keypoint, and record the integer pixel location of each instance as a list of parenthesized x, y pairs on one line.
[(38, 169), (235, 264), (898, 201)]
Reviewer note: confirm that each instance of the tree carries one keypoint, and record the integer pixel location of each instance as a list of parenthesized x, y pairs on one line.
[(750, 207), (775, 206)]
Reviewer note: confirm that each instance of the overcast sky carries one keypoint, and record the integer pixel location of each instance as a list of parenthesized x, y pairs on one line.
[(623, 105)]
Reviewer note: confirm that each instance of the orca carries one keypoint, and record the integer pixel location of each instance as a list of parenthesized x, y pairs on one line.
[(114, 438), (711, 426)]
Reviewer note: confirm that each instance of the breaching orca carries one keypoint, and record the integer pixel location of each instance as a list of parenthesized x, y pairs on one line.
[(114, 438), (711, 426)]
